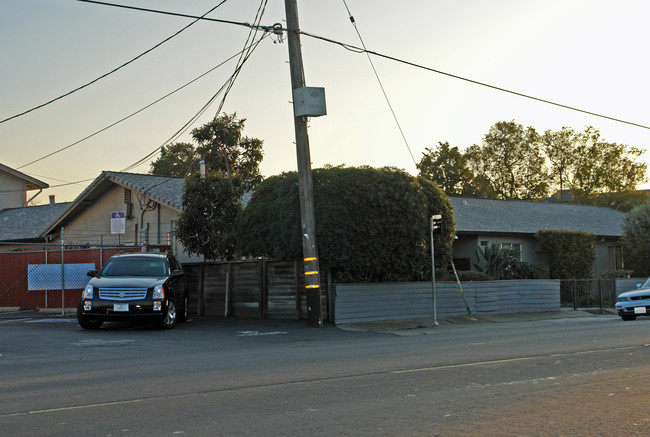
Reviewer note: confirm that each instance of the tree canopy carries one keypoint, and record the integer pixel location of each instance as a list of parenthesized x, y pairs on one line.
[(515, 162), (372, 224), (211, 204)]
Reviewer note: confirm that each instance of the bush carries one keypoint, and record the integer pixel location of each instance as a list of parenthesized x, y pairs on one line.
[(467, 275), (570, 255), (372, 225)]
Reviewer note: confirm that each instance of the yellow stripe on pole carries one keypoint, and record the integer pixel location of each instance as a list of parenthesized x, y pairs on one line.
[(312, 286), (310, 259), (311, 273)]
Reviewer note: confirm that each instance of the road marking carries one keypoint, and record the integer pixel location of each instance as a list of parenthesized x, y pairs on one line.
[(509, 360), (258, 333)]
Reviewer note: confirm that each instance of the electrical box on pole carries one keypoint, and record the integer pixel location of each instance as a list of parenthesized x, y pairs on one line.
[(309, 101)]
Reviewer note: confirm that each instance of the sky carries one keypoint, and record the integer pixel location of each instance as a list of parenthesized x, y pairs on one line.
[(588, 54)]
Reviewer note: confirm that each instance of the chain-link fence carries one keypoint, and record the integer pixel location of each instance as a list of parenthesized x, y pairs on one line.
[(46, 280)]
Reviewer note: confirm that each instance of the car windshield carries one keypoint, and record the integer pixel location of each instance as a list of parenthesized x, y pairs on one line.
[(646, 284), (135, 267)]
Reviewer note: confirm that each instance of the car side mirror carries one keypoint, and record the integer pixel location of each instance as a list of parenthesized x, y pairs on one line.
[(638, 285), (177, 273), (92, 273)]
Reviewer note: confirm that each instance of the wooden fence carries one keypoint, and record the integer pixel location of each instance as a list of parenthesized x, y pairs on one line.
[(250, 289)]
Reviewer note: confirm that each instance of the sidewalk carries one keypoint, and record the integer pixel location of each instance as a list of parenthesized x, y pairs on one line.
[(407, 327)]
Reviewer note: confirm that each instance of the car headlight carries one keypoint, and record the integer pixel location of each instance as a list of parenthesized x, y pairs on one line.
[(158, 292), (88, 292), (622, 299)]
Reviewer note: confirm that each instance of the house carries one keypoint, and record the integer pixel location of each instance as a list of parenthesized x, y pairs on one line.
[(513, 223), (123, 208), (14, 186), (28, 224), (127, 208)]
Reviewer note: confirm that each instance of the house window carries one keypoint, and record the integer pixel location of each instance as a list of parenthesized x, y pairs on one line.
[(514, 246)]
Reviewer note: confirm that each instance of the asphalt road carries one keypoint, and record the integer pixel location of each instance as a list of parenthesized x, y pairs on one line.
[(576, 377)]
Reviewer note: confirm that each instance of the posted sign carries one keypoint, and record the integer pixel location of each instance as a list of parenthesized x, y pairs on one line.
[(118, 222)]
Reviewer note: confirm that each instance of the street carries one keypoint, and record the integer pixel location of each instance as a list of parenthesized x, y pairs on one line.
[(576, 377)]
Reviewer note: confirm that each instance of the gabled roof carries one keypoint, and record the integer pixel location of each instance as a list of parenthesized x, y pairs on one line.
[(25, 224), (520, 217), (32, 183), (165, 190)]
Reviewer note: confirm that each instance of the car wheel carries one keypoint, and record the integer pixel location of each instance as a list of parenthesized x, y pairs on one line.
[(171, 316), (182, 317), (84, 321), (628, 318)]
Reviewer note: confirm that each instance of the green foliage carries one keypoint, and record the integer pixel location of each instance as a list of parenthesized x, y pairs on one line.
[(515, 162), (468, 275), (499, 263), (229, 154), (570, 255), (636, 239), (175, 160), (226, 152), (510, 162), (207, 226), (447, 167), (372, 224)]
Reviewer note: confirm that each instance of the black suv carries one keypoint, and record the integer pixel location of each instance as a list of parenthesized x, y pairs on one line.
[(148, 287)]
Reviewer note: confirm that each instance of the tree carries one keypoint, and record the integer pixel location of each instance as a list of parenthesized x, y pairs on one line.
[(227, 153), (175, 160), (206, 225), (636, 239), (372, 224), (211, 204), (592, 168), (447, 167), (511, 163)]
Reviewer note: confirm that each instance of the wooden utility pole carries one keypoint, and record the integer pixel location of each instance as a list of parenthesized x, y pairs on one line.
[(305, 184)]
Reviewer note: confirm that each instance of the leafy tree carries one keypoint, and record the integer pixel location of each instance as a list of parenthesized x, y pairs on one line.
[(372, 224), (229, 154), (589, 166), (560, 151), (175, 160), (447, 167), (206, 225), (211, 204), (570, 255), (636, 239), (511, 163)]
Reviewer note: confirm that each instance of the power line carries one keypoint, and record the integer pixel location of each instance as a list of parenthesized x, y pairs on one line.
[(354, 24), (505, 90), (113, 70), (132, 114)]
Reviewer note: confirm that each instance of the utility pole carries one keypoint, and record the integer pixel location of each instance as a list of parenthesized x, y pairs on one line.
[(305, 183)]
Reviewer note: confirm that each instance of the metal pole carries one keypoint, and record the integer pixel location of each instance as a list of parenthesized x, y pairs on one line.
[(305, 183), (433, 279), (62, 274)]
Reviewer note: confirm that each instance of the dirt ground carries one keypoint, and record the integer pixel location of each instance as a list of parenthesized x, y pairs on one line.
[(614, 407)]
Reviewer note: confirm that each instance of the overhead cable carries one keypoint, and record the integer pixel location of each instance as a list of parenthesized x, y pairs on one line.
[(113, 70), (505, 90), (354, 24)]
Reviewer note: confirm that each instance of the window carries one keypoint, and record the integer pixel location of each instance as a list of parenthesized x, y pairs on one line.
[(514, 246)]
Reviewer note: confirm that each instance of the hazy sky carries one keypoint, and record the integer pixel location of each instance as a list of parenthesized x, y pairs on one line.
[(588, 54)]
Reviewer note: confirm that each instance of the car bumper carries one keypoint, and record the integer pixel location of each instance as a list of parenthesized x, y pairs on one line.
[(633, 310), (124, 311)]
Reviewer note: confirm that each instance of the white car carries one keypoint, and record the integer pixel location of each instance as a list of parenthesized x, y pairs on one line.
[(634, 303)]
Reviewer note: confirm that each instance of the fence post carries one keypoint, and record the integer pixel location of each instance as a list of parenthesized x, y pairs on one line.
[(600, 295)]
